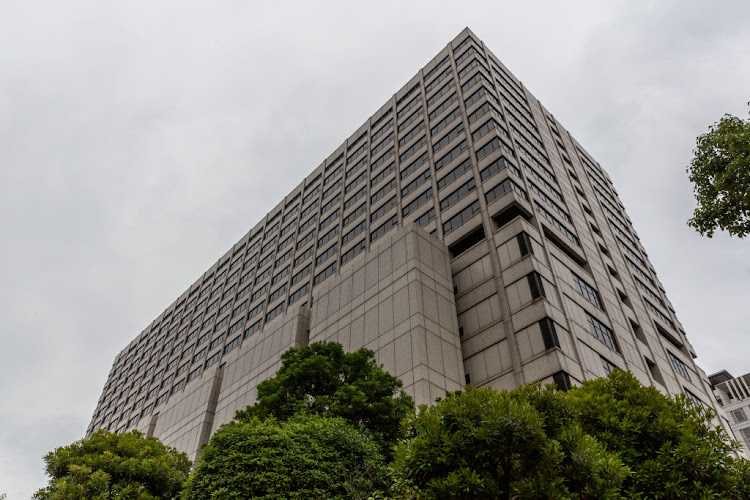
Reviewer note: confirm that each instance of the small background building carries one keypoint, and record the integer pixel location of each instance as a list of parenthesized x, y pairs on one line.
[(733, 394)]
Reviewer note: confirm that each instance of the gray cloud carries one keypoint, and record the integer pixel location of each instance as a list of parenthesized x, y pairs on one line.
[(140, 140)]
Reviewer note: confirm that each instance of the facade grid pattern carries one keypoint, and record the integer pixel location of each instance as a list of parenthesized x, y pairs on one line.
[(463, 151)]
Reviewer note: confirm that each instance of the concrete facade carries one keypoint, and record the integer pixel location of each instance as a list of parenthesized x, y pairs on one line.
[(460, 233)]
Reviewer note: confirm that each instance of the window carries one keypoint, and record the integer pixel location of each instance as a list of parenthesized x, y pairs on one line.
[(456, 195), (638, 331), (445, 122), (443, 106), (325, 273), (259, 278), (306, 239), (215, 342), (602, 332), (253, 328), (375, 135), (380, 231), (280, 291), (479, 77), (349, 254), (408, 106), (188, 351), (255, 310), (491, 146), (412, 167), (658, 313), (179, 385), (325, 208), (536, 285), (607, 365), (425, 218), (473, 64), (411, 134), (524, 243), (549, 333), (307, 210), (213, 359), (383, 209), (301, 274), (483, 110), (654, 370), (414, 184), (225, 307), (356, 213), (200, 354), (451, 155), (221, 324), (411, 119), (298, 293), (275, 311), (467, 242), (380, 193), (504, 187), (284, 243), (588, 292), (679, 366), (237, 310), (454, 174), (417, 202), (738, 415), (562, 380), (354, 199), (194, 374), (557, 224), (440, 93), (746, 435), (383, 174), (328, 236), (461, 217), (259, 293), (231, 345), (304, 256), (695, 400), (236, 326), (434, 83), (346, 238), (283, 258), (147, 410), (412, 149)]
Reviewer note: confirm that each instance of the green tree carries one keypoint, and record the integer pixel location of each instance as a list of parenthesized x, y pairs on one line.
[(322, 379), (309, 456), (720, 173), (485, 444), (107, 465), (669, 444)]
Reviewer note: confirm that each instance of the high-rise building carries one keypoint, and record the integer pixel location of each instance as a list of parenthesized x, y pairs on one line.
[(461, 233), (733, 394)]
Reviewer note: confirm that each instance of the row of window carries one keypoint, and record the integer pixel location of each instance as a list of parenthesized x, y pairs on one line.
[(305, 204)]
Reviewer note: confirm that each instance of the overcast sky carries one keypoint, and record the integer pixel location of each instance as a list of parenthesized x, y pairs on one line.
[(140, 140)]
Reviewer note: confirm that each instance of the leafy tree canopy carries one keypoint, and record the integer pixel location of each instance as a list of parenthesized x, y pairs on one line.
[(107, 465), (309, 456), (486, 444), (670, 445), (720, 173), (322, 379)]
